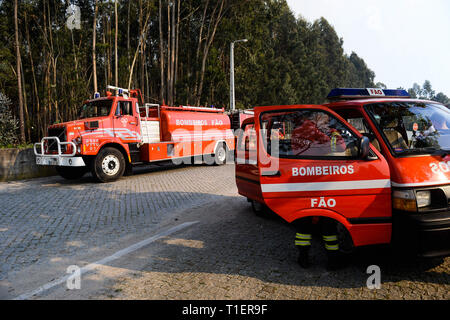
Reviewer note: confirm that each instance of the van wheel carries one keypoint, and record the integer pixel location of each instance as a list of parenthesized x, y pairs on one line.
[(109, 165), (258, 208), (346, 245), (220, 155), (71, 173)]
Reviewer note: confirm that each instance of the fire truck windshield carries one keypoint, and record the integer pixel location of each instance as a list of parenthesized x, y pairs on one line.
[(413, 127), (96, 108)]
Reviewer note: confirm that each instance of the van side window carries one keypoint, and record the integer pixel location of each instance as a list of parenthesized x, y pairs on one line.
[(355, 118), (307, 133)]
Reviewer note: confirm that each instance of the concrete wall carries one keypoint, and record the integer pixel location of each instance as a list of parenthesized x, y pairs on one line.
[(16, 164)]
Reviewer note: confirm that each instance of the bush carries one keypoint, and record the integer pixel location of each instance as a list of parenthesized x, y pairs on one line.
[(8, 123)]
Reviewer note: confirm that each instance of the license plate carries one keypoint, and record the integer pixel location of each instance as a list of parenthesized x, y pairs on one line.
[(46, 161)]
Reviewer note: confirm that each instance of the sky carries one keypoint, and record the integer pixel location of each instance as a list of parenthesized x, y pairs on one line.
[(402, 41)]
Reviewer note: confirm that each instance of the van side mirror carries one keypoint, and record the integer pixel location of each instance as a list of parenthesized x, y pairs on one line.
[(364, 147)]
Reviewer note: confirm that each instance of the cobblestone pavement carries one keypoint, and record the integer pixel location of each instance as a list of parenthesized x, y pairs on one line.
[(51, 217), (240, 256), (229, 254)]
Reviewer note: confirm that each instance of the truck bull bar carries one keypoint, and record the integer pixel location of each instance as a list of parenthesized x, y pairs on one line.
[(60, 159)]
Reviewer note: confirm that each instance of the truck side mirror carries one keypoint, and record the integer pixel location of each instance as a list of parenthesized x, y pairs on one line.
[(364, 147)]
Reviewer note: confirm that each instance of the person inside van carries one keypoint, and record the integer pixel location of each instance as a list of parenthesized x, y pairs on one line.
[(390, 129)]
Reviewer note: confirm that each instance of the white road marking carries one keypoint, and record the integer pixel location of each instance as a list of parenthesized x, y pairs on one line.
[(106, 260)]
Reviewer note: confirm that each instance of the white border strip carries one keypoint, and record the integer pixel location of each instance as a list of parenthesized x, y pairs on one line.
[(106, 260), (327, 186)]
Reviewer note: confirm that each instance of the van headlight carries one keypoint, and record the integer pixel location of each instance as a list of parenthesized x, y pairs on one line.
[(423, 199), (404, 200)]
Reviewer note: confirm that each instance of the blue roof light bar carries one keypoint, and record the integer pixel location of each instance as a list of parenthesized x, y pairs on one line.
[(346, 93)]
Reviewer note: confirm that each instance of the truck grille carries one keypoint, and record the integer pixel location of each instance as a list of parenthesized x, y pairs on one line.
[(61, 134)]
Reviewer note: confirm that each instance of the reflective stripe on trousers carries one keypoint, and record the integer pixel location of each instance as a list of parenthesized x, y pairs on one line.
[(331, 242), (303, 239)]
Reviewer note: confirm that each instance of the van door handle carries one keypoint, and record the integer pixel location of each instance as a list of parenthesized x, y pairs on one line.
[(271, 174)]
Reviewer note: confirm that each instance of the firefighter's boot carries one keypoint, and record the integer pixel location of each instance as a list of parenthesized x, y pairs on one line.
[(332, 247), (303, 243), (303, 258), (334, 261)]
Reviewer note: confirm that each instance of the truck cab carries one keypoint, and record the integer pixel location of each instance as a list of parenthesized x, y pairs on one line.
[(372, 160)]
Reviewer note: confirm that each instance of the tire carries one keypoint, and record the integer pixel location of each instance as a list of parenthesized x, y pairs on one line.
[(109, 165), (71, 173), (346, 245), (220, 155), (258, 208)]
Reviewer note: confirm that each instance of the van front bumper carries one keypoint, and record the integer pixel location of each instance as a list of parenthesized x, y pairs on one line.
[(426, 234)]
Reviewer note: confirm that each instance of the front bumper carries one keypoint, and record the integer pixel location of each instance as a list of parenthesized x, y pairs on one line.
[(426, 234), (59, 159), (55, 160)]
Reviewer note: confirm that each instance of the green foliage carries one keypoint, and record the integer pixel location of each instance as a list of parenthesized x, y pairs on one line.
[(8, 124), (426, 92), (287, 59)]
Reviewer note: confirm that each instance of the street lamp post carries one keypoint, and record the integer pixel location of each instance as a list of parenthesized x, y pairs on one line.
[(232, 103)]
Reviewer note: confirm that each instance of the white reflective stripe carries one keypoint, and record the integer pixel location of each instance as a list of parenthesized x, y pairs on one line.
[(326, 186), (421, 184), (246, 161)]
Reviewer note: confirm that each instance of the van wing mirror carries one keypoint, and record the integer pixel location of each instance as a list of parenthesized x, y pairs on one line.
[(364, 147)]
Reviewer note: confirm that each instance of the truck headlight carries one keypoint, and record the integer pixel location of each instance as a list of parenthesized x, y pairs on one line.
[(404, 200), (423, 198)]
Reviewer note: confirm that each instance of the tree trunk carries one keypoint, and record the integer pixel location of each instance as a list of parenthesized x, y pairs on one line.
[(94, 59), (40, 132), (142, 50), (199, 45), (161, 55), (169, 52), (19, 80), (116, 56), (128, 36), (172, 57), (176, 52), (209, 40)]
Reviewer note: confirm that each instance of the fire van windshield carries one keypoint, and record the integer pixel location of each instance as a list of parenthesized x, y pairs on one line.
[(413, 128), (97, 108)]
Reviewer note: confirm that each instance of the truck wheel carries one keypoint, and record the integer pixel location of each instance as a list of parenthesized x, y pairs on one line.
[(109, 165), (220, 156), (71, 173)]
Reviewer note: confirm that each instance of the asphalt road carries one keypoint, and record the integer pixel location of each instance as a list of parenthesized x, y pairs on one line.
[(177, 233)]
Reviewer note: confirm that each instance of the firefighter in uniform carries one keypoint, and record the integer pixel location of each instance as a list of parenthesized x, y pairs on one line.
[(303, 239), (316, 130)]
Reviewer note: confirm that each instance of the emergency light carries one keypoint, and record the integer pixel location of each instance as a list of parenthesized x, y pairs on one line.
[(343, 93)]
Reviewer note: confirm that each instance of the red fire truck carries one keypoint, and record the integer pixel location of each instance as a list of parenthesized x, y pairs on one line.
[(375, 161), (115, 133)]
